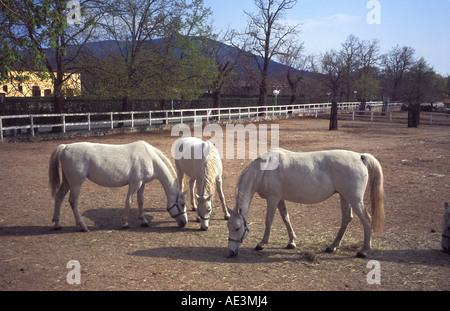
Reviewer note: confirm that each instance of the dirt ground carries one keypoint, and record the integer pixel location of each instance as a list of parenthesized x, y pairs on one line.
[(416, 165)]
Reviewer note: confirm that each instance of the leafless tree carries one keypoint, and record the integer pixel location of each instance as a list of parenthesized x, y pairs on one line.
[(394, 64), (267, 37)]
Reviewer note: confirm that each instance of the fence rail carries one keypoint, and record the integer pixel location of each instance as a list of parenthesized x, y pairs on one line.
[(109, 120)]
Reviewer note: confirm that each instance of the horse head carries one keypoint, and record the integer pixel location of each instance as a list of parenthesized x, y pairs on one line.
[(177, 210), (204, 210), (237, 231)]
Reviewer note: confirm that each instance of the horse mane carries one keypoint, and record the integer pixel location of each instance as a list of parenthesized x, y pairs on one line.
[(249, 178), (211, 163), (166, 161)]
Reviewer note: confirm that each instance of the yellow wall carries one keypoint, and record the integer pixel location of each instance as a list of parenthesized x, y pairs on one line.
[(12, 88)]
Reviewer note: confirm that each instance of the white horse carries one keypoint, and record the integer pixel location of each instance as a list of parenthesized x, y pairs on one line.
[(446, 229), (201, 162), (310, 178), (133, 164)]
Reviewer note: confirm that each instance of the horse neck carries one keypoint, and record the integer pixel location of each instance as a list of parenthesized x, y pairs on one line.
[(209, 177), (166, 176), (247, 186)]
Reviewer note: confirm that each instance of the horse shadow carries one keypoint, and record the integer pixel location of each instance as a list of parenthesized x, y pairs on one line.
[(429, 257), (103, 219)]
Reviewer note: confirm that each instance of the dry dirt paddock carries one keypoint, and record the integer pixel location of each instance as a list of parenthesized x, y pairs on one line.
[(416, 165)]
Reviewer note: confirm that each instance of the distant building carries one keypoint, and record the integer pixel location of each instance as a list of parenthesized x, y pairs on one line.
[(447, 104), (33, 86)]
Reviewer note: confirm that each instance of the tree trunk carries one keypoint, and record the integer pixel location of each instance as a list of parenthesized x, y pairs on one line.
[(333, 116), (413, 115)]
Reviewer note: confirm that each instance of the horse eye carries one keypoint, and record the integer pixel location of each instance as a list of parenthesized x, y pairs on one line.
[(237, 229)]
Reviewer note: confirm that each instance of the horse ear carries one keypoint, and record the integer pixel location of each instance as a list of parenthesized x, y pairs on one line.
[(230, 210), (208, 197), (197, 196), (447, 207), (239, 210)]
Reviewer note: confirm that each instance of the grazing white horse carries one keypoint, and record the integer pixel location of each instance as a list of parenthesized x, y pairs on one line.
[(201, 161), (310, 178), (133, 164), (446, 229)]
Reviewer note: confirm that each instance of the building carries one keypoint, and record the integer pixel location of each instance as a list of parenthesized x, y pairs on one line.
[(33, 86)]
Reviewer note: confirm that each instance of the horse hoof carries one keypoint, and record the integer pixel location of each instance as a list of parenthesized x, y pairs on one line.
[(125, 227), (361, 254), (57, 228), (84, 230), (259, 247), (330, 250), (291, 246), (145, 225)]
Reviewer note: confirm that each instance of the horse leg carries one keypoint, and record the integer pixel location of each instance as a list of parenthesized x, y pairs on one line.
[(192, 194), (73, 200), (270, 213), (180, 175), (285, 216), (140, 199), (132, 188), (347, 216), (59, 197), (365, 218), (222, 198)]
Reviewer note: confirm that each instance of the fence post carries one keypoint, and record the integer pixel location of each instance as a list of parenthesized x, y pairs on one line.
[(89, 121), (64, 123), (181, 117), (239, 113), (1, 127), (353, 115), (167, 117), (112, 120), (32, 125), (229, 114), (371, 116), (149, 118), (132, 119), (390, 117)]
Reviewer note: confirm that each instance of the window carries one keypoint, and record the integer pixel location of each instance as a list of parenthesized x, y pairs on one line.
[(47, 92), (36, 91), (5, 88)]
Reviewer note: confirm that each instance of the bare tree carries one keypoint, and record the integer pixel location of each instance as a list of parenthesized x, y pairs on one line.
[(296, 63), (394, 64), (333, 70), (227, 59), (267, 37)]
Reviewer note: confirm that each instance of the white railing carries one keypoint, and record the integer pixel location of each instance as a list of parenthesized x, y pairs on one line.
[(111, 120)]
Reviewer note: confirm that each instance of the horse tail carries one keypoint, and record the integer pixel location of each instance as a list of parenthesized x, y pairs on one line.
[(53, 169), (376, 190)]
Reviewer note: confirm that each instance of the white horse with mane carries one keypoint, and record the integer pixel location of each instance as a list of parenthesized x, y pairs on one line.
[(201, 161), (133, 164), (310, 178)]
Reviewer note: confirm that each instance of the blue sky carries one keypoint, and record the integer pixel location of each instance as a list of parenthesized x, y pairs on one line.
[(420, 24)]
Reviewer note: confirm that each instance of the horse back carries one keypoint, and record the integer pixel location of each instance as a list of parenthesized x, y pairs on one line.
[(107, 165)]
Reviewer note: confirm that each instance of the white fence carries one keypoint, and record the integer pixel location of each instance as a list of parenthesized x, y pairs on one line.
[(111, 120)]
